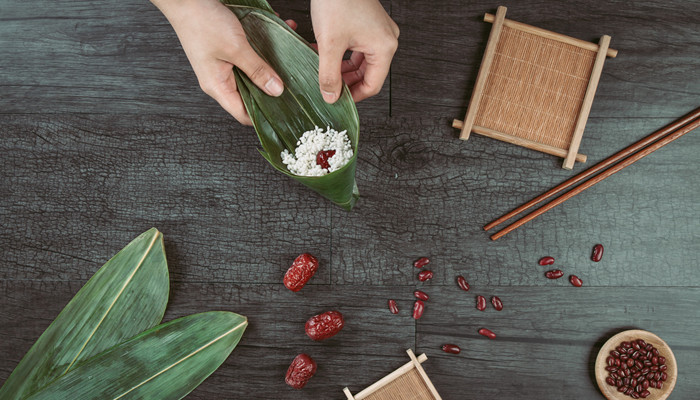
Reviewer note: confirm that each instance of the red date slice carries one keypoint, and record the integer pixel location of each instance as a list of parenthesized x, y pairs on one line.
[(480, 303), (300, 371), (597, 254), (393, 307), (302, 269), (421, 262), (324, 325), (322, 158), (462, 283), (497, 303), (554, 274), (425, 275), (487, 332), (546, 261), (576, 281), (418, 308), (420, 295), (451, 348)]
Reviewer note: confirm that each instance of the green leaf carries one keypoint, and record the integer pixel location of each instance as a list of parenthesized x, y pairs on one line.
[(165, 362), (126, 296), (280, 121)]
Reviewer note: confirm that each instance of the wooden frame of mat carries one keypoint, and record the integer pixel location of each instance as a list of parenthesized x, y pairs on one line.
[(535, 88), (409, 382)]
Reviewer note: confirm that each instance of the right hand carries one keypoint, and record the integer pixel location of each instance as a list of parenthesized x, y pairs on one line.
[(214, 42)]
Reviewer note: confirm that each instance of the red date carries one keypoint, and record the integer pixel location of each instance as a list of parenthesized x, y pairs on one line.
[(324, 325), (480, 303), (497, 303), (487, 332), (462, 283), (554, 274), (322, 158), (597, 254), (393, 307), (418, 308), (302, 269), (300, 371), (546, 261), (421, 262), (425, 275), (451, 348), (576, 281), (420, 295)]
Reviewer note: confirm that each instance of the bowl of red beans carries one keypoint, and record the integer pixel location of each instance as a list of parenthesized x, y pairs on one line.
[(636, 364)]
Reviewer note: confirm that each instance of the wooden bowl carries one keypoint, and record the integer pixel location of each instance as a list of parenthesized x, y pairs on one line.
[(610, 392)]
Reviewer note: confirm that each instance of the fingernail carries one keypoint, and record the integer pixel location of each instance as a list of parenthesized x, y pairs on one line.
[(329, 97), (274, 87)]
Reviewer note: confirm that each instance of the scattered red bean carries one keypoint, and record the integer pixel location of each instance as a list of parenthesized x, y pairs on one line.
[(451, 348), (421, 262), (576, 281), (425, 275), (300, 371), (554, 274), (322, 158), (488, 333), (463, 284), (635, 367), (421, 295), (480, 303), (324, 325), (302, 269), (418, 308), (597, 253), (393, 307), (497, 303), (546, 261)]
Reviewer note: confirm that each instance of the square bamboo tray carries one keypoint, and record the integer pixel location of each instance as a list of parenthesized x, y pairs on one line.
[(535, 88), (409, 382)]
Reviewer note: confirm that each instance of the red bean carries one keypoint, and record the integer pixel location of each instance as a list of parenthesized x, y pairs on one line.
[(451, 348), (546, 261), (393, 307), (597, 254), (421, 295), (554, 274), (611, 361), (425, 275), (480, 303), (610, 381), (645, 394), (421, 262), (576, 281), (418, 308), (664, 376), (463, 284), (497, 303), (663, 368), (662, 360), (488, 333)]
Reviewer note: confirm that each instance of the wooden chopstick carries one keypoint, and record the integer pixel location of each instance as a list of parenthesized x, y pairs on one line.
[(633, 153)]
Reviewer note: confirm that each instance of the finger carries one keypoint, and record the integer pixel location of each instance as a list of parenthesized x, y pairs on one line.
[(329, 67), (353, 62), (353, 77), (377, 68), (226, 94), (258, 71), (292, 24)]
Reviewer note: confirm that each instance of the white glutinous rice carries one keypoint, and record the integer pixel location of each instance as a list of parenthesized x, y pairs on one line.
[(303, 161)]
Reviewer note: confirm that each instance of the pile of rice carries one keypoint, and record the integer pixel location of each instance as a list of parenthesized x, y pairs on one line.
[(303, 161)]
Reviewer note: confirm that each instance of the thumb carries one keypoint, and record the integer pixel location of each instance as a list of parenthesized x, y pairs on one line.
[(258, 71), (329, 71)]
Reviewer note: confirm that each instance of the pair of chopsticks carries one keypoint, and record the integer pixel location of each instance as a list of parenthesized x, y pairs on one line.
[(614, 163)]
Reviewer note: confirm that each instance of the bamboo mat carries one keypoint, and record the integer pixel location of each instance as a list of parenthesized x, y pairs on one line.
[(535, 88), (409, 386)]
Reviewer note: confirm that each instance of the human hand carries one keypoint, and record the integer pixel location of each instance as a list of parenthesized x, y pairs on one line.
[(363, 27), (214, 41)]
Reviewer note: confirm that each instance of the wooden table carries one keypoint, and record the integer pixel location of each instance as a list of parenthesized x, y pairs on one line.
[(105, 134)]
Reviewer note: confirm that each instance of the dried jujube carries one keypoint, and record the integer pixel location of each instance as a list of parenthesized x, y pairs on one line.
[(302, 368), (324, 325), (302, 269)]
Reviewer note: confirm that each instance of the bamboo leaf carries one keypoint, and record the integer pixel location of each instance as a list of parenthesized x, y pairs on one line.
[(280, 121), (126, 296), (165, 362)]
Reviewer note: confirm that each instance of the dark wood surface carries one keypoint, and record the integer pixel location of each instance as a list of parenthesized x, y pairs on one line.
[(105, 133)]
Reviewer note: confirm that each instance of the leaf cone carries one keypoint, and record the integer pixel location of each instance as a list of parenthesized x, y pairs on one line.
[(281, 121)]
